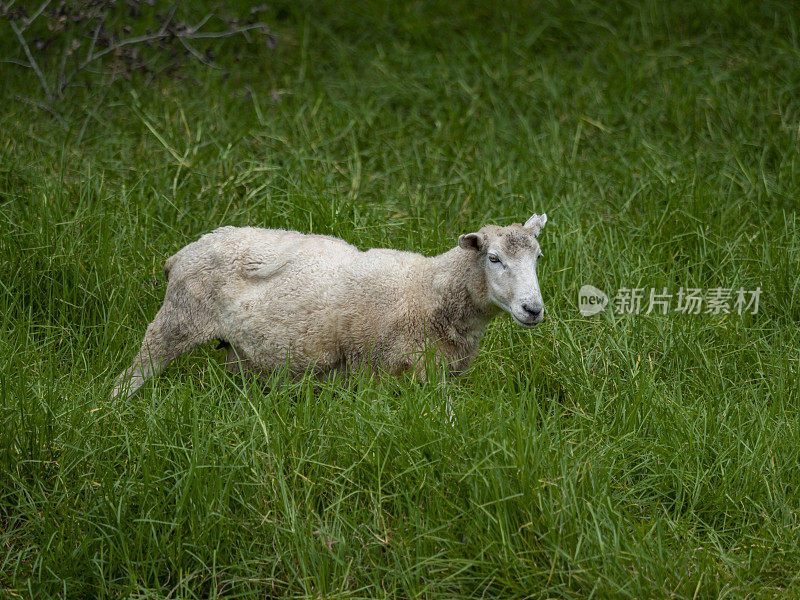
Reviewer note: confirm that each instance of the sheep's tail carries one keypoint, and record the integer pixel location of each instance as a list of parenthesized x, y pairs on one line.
[(169, 264)]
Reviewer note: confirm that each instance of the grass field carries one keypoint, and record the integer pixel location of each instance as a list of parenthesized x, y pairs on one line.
[(614, 456)]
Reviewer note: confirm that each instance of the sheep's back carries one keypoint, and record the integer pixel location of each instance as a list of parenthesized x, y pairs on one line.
[(316, 297)]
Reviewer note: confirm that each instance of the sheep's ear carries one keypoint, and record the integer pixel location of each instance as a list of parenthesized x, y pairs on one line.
[(471, 241), (535, 223)]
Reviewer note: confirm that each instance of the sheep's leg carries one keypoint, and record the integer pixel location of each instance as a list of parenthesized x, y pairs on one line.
[(448, 402), (234, 363), (442, 366), (171, 334)]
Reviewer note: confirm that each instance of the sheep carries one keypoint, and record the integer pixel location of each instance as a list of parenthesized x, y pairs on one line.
[(276, 297)]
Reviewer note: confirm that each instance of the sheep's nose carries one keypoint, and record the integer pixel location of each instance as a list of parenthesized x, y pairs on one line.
[(534, 310)]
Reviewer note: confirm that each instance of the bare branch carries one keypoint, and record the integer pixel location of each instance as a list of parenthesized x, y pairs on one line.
[(162, 34), (31, 60), (43, 106), (63, 83), (35, 15), (202, 22), (15, 61), (168, 20), (196, 53), (226, 33), (96, 33), (63, 66), (79, 23)]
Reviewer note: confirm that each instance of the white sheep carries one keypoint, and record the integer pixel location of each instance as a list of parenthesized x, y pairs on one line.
[(319, 304)]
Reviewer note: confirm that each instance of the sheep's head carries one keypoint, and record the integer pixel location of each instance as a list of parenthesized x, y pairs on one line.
[(508, 256)]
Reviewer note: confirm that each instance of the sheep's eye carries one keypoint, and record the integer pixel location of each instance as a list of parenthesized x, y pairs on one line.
[(540, 256), (493, 258)]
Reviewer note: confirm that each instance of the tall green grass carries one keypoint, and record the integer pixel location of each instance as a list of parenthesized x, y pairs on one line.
[(593, 457)]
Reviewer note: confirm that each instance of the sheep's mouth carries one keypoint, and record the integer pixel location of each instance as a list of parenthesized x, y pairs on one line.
[(527, 324)]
